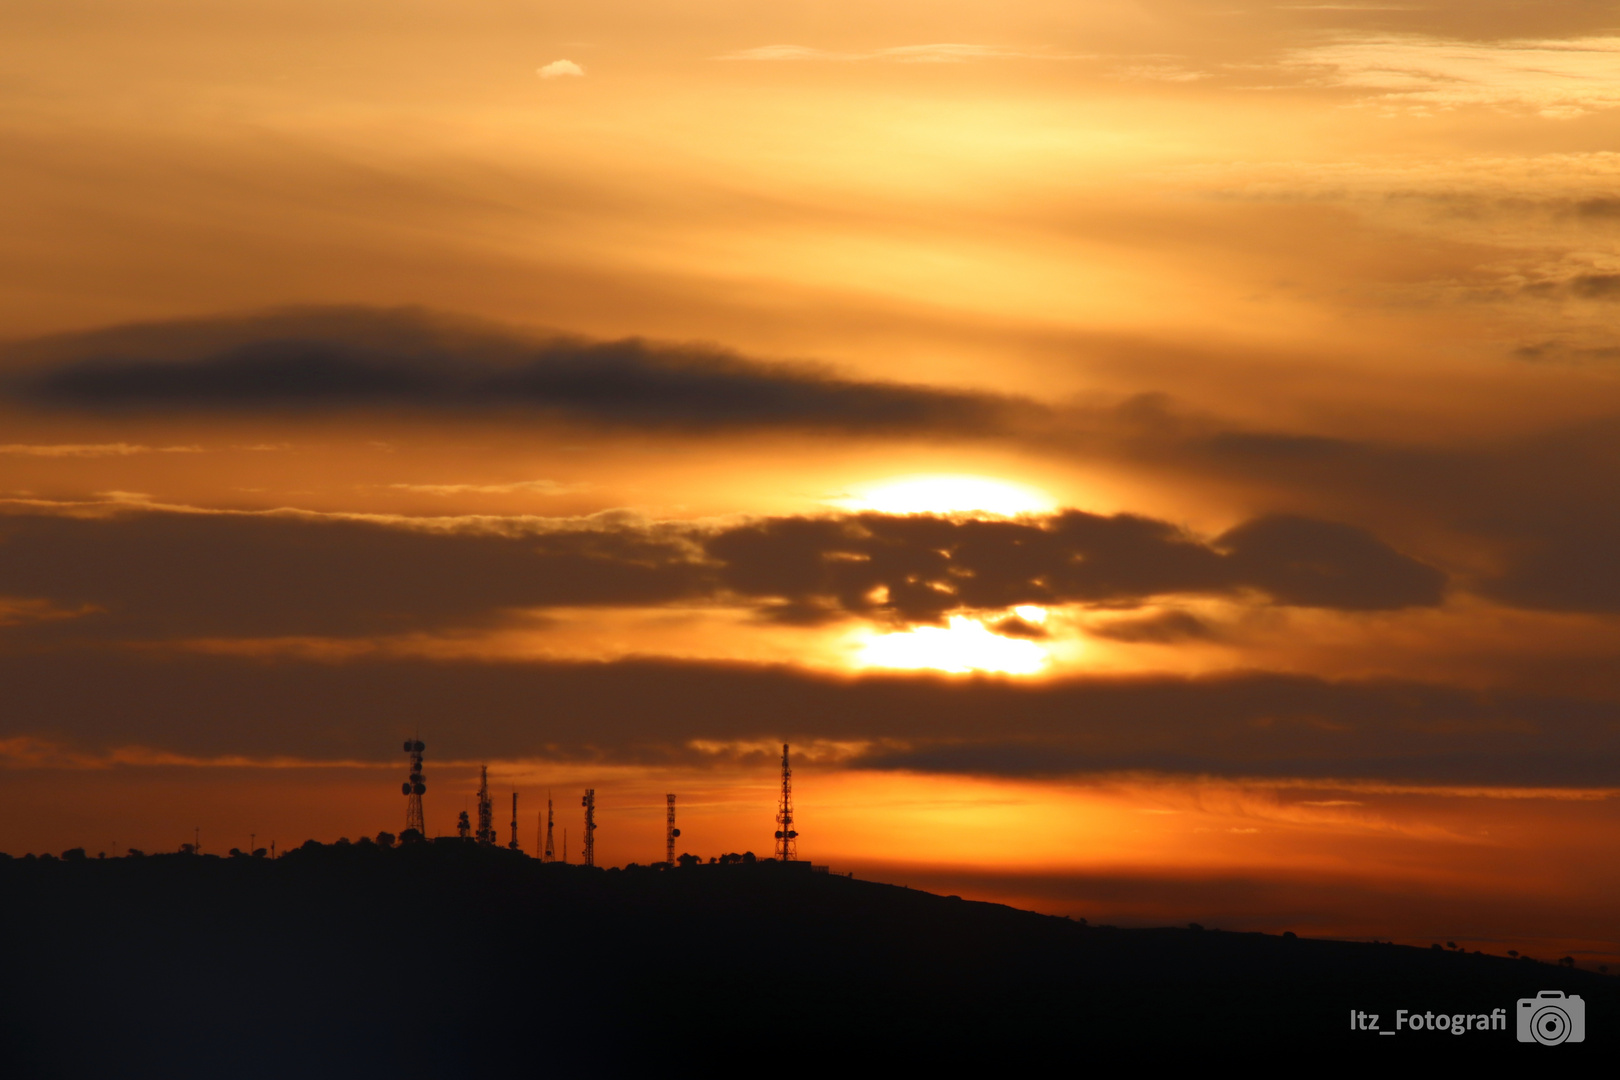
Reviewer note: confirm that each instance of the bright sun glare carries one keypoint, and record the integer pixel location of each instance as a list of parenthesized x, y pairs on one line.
[(945, 494), (962, 646)]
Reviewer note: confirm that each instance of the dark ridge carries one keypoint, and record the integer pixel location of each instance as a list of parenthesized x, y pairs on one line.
[(445, 959)]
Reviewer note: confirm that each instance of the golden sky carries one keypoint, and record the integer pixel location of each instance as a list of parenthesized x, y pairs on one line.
[(1125, 446)]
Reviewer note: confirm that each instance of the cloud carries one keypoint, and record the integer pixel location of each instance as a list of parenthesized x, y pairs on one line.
[(919, 569), (1558, 79), (91, 450), (1160, 628), (140, 572), (560, 69), (939, 53), (1539, 505), (146, 573), (653, 713), (400, 360), (516, 487)]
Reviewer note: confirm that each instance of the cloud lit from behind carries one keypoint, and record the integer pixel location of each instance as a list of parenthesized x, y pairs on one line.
[(559, 69)]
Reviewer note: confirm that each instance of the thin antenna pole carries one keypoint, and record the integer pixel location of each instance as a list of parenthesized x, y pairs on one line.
[(413, 789), (787, 848), (670, 831), (551, 851), (512, 843), (486, 810), (589, 803)]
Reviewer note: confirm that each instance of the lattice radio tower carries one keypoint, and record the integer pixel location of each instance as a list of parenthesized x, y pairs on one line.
[(589, 803), (670, 831), (551, 852), (486, 811), (414, 787), (787, 848), (512, 843)]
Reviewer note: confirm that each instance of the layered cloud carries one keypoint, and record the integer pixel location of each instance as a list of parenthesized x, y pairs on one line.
[(142, 573), (653, 713), (334, 360), (1556, 78)]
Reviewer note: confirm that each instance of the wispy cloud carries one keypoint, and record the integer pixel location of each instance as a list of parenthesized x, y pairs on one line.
[(1559, 79), (527, 487), (939, 53), (91, 450)]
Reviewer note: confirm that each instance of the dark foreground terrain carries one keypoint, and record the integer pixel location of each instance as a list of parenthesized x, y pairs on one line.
[(447, 960)]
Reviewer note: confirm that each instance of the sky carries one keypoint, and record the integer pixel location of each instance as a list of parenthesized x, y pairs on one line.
[(1152, 461)]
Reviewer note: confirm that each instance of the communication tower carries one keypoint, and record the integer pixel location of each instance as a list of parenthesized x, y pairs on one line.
[(787, 848), (463, 826), (670, 831), (512, 843), (486, 810), (414, 787), (589, 803), (550, 854)]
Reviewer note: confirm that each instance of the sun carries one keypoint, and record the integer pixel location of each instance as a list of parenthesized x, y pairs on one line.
[(961, 646), (945, 493)]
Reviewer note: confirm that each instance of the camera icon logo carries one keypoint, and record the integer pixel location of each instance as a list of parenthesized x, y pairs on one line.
[(1550, 1018)]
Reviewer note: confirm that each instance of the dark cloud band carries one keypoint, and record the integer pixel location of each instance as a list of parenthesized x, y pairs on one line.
[(652, 713), (406, 361), (153, 574)]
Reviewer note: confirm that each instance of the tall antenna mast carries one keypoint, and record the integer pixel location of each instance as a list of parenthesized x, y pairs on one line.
[(551, 851), (413, 788), (486, 811), (787, 848), (512, 843), (670, 831), (589, 803)]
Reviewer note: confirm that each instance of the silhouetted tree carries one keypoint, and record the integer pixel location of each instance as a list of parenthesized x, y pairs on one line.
[(748, 857), (259, 853), (235, 853), (1513, 952), (187, 849), (385, 839), (137, 853), (410, 836), (688, 859), (74, 854)]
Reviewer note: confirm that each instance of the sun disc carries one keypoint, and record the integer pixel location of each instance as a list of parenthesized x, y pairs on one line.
[(947, 494)]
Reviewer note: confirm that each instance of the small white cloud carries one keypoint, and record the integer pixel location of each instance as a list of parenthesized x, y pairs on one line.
[(559, 68)]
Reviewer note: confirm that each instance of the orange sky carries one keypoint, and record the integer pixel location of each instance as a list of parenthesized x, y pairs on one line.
[(574, 387)]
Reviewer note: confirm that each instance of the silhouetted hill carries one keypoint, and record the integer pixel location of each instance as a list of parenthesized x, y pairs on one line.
[(446, 960)]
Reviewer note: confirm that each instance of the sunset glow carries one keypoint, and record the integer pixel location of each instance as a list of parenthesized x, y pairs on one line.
[(1153, 458)]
